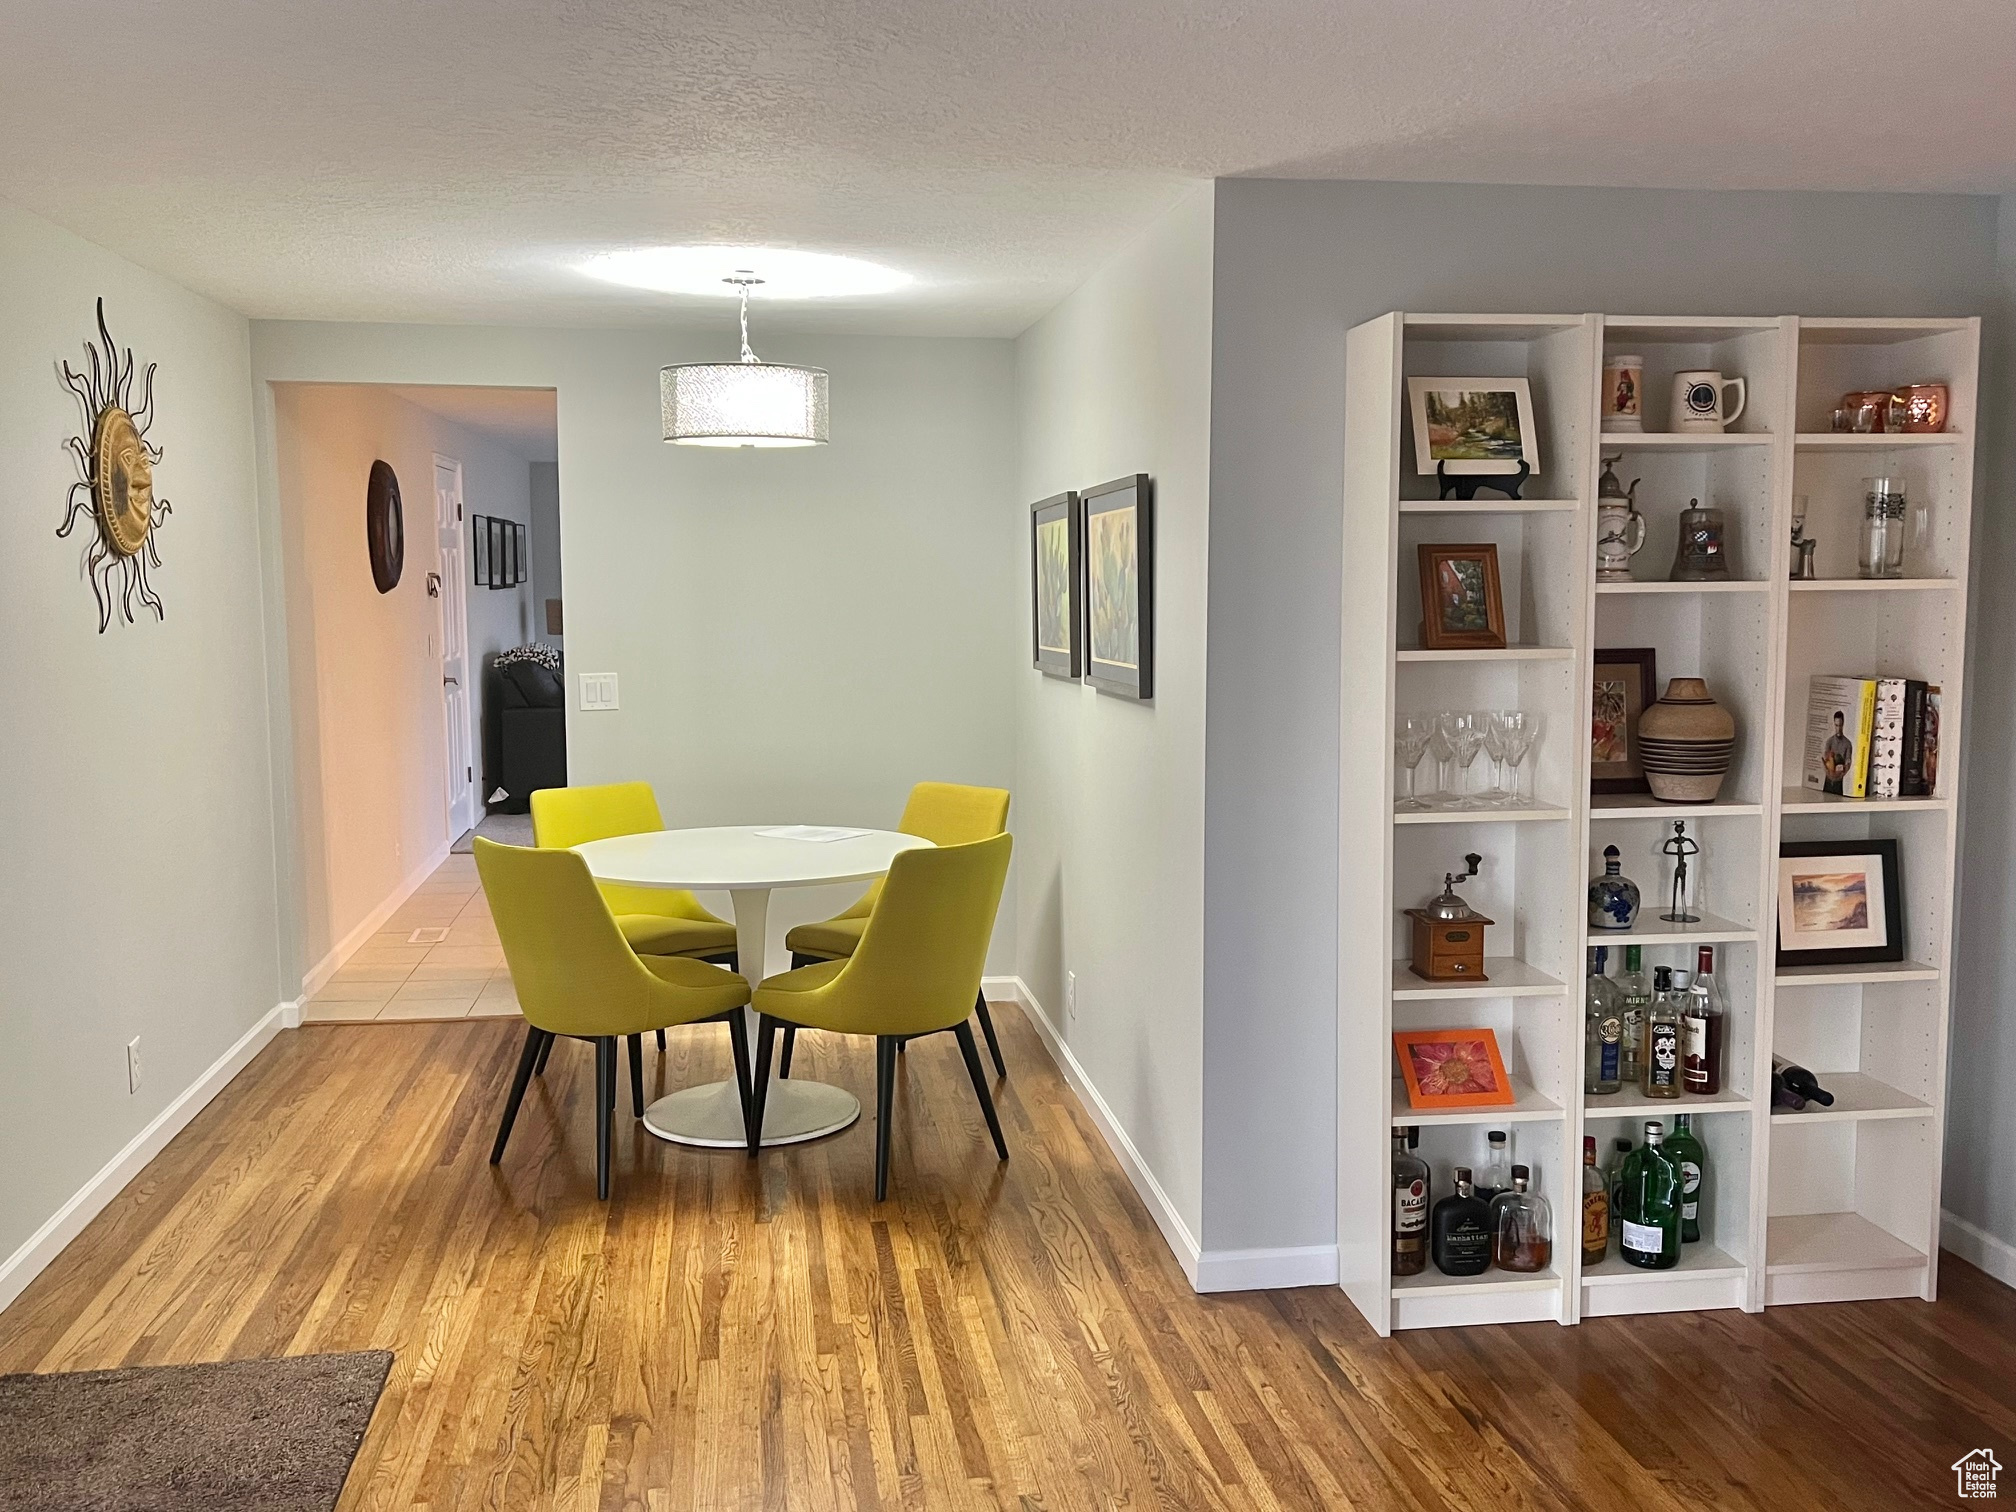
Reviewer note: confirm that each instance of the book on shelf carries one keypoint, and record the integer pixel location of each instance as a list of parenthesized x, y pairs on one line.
[(1839, 714), (1872, 737), (1886, 739), (1921, 747)]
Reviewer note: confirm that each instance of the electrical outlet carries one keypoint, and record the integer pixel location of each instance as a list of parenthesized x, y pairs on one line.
[(133, 1065), (1070, 994), (598, 690)]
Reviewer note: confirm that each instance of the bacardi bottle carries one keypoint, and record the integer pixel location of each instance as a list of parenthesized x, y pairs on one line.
[(1410, 1205)]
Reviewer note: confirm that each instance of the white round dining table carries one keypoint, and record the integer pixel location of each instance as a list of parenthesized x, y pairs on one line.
[(748, 862)]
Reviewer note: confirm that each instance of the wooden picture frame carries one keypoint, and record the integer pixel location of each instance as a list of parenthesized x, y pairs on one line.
[(1618, 701), (479, 551), (1505, 436), (1452, 1068), (1119, 530), (1462, 606), (1057, 586), (1850, 889)]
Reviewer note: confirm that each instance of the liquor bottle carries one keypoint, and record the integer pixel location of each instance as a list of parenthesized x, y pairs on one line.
[(1459, 1231), (1684, 1147), (1522, 1227), (1603, 1030), (1662, 1038), (1648, 1210), (1410, 1205), (1595, 1206), (1637, 990), (1613, 897), (1496, 1177), (1703, 1027), (1797, 1081)]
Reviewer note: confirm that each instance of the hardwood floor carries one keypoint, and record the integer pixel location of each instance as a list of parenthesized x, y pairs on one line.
[(728, 1335)]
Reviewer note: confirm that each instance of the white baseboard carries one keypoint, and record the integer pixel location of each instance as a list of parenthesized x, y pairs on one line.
[(1266, 1269), (1174, 1231), (68, 1221), (1978, 1247), (318, 975)]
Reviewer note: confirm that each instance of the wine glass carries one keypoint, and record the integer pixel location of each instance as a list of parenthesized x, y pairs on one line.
[(1466, 738), (1518, 730), (1410, 744), (1440, 748), (1495, 795)]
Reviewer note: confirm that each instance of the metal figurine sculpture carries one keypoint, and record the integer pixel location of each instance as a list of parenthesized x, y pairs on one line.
[(1803, 545), (1680, 847), (115, 484)]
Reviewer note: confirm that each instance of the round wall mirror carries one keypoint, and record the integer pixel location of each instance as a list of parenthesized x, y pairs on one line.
[(385, 527)]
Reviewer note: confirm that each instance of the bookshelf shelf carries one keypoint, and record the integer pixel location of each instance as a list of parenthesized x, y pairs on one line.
[(1822, 1205)]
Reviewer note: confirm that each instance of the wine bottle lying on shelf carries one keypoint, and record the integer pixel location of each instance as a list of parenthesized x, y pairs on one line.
[(1793, 1086)]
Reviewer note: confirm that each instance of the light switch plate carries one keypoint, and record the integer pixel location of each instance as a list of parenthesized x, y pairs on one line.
[(598, 690), (133, 1065)]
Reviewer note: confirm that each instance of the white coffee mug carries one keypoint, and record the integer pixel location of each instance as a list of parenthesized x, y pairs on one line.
[(1698, 403)]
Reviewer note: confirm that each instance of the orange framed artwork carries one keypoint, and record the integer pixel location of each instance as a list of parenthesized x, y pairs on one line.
[(1452, 1068)]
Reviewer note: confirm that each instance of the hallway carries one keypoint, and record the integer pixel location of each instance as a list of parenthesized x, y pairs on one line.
[(394, 976)]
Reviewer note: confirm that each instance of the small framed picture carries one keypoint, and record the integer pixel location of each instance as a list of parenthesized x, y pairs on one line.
[(479, 551), (520, 569), (498, 537), (1473, 425), (1461, 608), (1056, 573), (1120, 587), (1626, 685), (1840, 902), (1452, 1068)]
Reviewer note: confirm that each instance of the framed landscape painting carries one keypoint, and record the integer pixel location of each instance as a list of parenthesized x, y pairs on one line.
[(1120, 587), (1461, 604), (1473, 425), (1839, 902), (1056, 575)]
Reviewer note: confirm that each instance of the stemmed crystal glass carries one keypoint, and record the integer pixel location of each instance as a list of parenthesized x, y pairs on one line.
[(1410, 743), (1518, 729), (1440, 748), (1465, 732), (1495, 795)]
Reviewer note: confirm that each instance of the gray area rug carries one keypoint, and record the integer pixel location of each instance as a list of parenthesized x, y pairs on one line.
[(505, 829), (242, 1436)]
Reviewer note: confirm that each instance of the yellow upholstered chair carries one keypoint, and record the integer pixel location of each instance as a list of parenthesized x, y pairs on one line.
[(914, 973), (577, 976), (657, 921), (945, 813)]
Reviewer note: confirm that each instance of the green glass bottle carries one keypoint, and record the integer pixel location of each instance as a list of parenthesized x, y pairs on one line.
[(1649, 1203), (1684, 1146)]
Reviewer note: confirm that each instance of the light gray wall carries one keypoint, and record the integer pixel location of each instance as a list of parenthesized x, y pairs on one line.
[(1297, 265), (545, 494), (139, 892), (798, 634), (1109, 794), (1980, 1184)]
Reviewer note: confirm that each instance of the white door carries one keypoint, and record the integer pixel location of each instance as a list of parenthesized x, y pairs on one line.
[(451, 600)]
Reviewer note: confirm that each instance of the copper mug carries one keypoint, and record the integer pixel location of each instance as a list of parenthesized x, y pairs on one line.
[(1919, 408)]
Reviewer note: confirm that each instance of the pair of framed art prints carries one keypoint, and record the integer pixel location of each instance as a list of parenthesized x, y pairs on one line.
[(1092, 586)]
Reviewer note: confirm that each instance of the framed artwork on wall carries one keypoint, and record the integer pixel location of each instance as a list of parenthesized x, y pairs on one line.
[(1056, 578), (1840, 902), (1120, 587), (1461, 606), (479, 551), (521, 553), (498, 537), (1626, 685)]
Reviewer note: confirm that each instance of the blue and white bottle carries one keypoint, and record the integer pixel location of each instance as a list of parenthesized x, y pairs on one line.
[(1613, 897)]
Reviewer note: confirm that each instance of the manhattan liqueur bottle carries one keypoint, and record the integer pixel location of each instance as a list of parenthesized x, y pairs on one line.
[(1662, 1038), (1522, 1227), (1703, 1027), (1648, 1204), (1459, 1231), (1410, 1205), (1595, 1206), (1637, 990), (1684, 1147), (1496, 1177), (1603, 1030)]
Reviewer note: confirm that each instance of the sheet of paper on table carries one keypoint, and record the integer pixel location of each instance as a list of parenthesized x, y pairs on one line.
[(816, 832)]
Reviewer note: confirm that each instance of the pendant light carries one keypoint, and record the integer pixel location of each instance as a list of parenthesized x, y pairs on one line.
[(746, 403)]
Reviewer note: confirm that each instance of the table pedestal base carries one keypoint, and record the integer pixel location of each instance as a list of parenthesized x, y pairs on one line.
[(711, 1115)]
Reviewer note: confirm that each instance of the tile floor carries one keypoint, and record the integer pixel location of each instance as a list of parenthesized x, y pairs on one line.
[(392, 978)]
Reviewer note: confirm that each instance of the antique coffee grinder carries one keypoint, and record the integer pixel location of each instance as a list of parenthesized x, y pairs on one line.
[(1449, 933)]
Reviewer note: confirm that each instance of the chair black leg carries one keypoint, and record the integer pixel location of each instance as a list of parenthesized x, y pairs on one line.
[(637, 1075), (886, 1046), (973, 1069), (545, 1054), (759, 1083), (537, 1043), (987, 1028), (605, 1109), (661, 1041), (790, 1044), (738, 1040)]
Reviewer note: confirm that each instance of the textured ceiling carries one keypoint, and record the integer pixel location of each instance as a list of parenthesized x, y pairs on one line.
[(525, 420), (447, 160)]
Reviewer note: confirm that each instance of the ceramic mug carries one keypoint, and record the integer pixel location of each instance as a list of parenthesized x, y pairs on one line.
[(1623, 394), (1698, 402)]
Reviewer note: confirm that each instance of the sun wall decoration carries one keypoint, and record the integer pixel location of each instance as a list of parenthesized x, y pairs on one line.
[(115, 484)]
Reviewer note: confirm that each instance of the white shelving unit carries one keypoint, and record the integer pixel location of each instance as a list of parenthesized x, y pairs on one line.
[(1832, 1204)]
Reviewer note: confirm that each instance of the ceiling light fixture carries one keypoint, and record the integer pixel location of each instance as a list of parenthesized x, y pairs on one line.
[(788, 273), (746, 403)]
